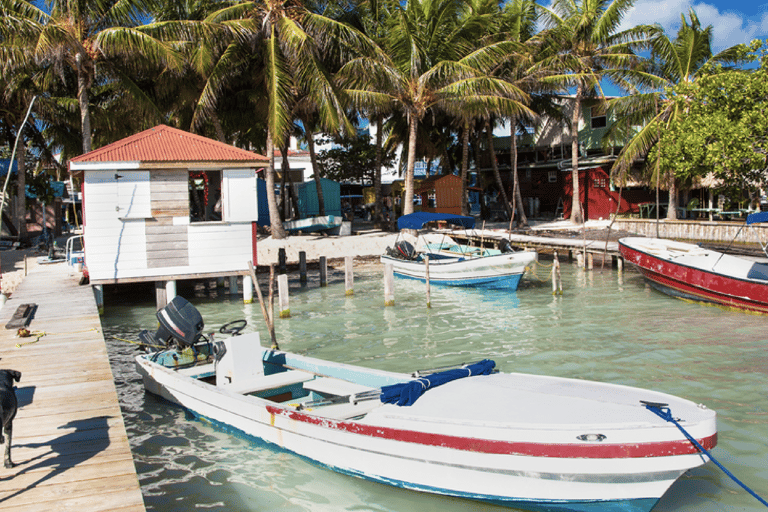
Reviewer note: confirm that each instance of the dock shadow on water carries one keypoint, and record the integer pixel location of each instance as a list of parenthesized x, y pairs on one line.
[(80, 440), (607, 326)]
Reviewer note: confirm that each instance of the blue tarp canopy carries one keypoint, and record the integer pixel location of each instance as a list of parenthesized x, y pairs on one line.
[(754, 218), (406, 393), (418, 220)]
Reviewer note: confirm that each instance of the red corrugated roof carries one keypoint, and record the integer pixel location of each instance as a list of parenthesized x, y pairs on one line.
[(165, 144)]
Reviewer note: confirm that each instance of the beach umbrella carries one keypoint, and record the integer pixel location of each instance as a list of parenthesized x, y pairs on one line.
[(406, 393)]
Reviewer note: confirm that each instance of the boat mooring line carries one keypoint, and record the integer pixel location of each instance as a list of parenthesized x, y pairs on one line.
[(665, 413)]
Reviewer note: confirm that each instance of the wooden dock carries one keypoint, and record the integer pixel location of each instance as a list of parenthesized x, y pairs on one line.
[(69, 442)]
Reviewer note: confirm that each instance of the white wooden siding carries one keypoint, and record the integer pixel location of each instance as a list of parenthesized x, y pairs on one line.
[(220, 247), (240, 196), (117, 243)]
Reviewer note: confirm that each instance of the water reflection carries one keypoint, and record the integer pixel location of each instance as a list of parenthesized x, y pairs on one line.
[(604, 327)]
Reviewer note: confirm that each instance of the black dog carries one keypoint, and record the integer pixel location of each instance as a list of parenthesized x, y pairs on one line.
[(8, 406)]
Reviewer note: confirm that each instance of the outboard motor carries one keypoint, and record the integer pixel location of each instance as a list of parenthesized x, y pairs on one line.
[(180, 322), (405, 249)]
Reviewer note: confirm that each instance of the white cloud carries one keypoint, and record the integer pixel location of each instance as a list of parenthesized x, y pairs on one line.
[(729, 28)]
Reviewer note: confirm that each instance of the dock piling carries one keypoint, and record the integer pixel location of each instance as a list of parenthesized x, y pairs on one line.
[(426, 275), (348, 276), (557, 282), (282, 292), (389, 285), (303, 267), (323, 271), (281, 260), (247, 289)]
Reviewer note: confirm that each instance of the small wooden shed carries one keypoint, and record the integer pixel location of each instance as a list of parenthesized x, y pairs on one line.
[(165, 204), (441, 194)]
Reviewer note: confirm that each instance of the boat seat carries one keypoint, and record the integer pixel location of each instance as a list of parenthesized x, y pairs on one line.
[(265, 382), (345, 411), (337, 387)]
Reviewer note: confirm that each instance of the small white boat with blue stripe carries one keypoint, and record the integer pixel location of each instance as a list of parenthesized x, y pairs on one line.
[(453, 264), (526, 441)]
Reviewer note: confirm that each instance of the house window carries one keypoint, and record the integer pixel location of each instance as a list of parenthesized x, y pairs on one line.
[(599, 183), (204, 196), (552, 176), (599, 119)]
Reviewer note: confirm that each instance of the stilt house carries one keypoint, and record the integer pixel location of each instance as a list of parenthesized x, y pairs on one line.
[(164, 205)]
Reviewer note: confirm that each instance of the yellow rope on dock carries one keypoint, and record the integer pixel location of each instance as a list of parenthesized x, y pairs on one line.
[(26, 333)]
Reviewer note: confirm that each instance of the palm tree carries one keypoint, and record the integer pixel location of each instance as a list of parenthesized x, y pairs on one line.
[(677, 61), (431, 65), (86, 38), (586, 47), (291, 40)]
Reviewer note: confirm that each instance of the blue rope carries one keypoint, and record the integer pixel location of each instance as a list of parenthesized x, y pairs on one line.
[(664, 412)]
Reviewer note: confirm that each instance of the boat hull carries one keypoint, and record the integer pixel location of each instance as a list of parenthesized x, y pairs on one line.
[(527, 465), (689, 272), (503, 271)]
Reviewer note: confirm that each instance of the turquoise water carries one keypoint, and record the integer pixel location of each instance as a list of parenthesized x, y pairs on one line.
[(607, 326)]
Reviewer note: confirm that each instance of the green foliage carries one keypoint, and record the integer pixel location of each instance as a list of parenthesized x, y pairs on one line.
[(353, 159), (722, 127)]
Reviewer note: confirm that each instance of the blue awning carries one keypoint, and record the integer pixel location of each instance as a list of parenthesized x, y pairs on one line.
[(406, 393), (418, 220), (754, 218)]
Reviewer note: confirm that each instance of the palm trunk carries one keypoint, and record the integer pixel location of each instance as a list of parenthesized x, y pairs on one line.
[(218, 128), (496, 173), (316, 172), (377, 217), (289, 195), (672, 207), (413, 122), (21, 196), (518, 198), (577, 216), (276, 224), (464, 168), (83, 102)]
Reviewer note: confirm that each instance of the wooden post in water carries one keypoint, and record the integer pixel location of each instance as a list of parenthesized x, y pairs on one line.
[(282, 292), (323, 271), (389, 285), (348, 276), (233, 285), (557, 282), (302, 267), (426, 275), (267, 317), (161, 298), (590, 261), (619, 263), (281, 259)]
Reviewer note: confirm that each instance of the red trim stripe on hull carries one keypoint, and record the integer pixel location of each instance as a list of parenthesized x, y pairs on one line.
[(569, 451), (698, 284)]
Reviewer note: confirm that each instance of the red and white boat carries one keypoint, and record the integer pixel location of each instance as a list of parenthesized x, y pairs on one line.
[(691, 272), (525, 441)]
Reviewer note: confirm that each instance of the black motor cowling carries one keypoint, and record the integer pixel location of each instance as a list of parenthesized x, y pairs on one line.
[(180, 322)]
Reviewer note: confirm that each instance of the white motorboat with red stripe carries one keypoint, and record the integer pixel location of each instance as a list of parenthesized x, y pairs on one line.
[(692, 272), (526, 441)]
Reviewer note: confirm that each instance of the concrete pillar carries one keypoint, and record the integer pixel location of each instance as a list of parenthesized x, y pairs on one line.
[(247, 289), (170, 290), (98, 294), (233, 285)]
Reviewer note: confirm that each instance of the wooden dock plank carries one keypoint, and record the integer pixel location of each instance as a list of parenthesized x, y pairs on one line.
[(69, 445)]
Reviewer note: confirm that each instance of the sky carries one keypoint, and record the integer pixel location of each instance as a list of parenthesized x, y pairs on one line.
[(733, 21)]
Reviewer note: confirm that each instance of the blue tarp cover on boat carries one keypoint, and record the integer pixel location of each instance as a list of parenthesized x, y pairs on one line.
[(417, 220), (406, 393), (757, 217)]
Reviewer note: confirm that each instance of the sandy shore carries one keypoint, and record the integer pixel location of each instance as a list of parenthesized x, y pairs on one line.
[(365, 244), (12, 267)]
